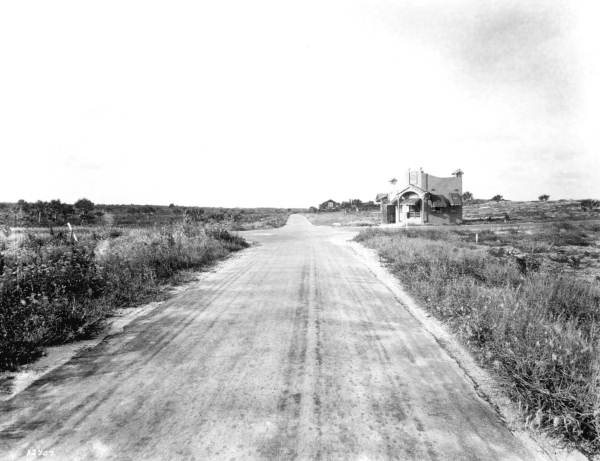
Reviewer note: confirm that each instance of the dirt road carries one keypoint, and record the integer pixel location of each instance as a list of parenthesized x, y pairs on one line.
[(293, 349)]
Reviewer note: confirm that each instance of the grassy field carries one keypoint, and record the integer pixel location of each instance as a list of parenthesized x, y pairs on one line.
[(231, 218), (343, 218), (56, 214), (526, 302), (538, 211)]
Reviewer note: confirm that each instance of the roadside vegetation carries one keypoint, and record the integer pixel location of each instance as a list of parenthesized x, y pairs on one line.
[(53, 289), (528, 315), (57, 286)]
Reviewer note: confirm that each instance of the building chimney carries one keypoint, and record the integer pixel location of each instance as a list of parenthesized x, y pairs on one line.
[(459, 174)]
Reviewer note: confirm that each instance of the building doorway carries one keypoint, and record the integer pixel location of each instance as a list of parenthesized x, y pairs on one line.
[(391, 214)]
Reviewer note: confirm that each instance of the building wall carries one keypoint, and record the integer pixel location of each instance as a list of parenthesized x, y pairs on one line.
[(443, 186), (435, 184), (448, 215)]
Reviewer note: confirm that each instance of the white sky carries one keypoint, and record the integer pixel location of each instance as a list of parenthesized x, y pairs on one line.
[(278, 103)]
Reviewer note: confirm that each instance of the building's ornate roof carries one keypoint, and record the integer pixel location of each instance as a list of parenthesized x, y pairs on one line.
[(412, 188)]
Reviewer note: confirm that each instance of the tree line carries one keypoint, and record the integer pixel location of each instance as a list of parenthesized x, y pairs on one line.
[(468, 197), (54, 213)]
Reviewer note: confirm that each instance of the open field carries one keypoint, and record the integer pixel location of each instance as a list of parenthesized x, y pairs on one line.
[(55, 213), (561, 247), (236, 219), (527, 303), (530, 211)]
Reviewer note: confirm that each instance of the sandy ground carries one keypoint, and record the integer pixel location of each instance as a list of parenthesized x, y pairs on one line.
[(295, 349)]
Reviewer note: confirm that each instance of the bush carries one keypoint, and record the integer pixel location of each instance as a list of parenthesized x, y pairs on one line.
[(45, 295), (52, 291)]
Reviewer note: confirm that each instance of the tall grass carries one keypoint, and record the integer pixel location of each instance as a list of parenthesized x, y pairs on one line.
[(539, 331), (52, 290)]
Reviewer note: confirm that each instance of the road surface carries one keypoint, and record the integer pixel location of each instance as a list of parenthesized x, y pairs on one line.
[(293, 349)]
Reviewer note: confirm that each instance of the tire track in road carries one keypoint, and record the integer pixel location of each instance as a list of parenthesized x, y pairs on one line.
[(318, 387), (311, 433), (398, 407), (299, 433), (284, 444), (392, 406)]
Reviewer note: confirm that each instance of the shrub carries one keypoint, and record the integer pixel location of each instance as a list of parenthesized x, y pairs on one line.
[(45, 295), (52, 291)]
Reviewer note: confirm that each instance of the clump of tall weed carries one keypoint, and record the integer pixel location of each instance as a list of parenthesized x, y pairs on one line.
[(46, 293), (539, 331)]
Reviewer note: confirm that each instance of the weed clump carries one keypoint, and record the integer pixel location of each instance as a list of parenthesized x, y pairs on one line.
[(53, 290)]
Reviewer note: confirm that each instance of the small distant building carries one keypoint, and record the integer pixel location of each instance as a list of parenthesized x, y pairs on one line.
[(423, 199), (329, 205)]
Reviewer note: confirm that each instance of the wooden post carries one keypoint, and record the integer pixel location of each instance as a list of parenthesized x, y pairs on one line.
[(72, 234)]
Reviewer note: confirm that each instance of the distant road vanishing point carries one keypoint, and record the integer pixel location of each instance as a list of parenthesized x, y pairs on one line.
[(292, 349)]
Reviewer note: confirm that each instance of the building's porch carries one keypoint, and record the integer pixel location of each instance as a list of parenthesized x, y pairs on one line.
[(410, 206)]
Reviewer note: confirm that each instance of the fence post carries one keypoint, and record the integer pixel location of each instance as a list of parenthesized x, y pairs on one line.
[(72, 234)]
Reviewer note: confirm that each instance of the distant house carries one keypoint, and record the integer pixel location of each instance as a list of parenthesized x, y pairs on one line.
[(424, 199), (329, 205)]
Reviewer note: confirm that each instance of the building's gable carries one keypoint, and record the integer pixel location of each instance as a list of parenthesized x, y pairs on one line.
[(329, 204)]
